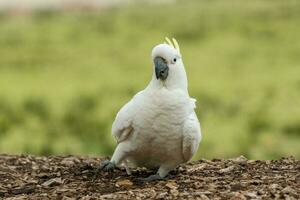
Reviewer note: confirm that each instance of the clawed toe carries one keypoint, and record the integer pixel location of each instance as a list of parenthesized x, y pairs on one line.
[(150, 178), (107, 166)]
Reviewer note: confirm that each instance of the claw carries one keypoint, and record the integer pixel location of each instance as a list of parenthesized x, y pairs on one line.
[(107, 166), (150, 178)]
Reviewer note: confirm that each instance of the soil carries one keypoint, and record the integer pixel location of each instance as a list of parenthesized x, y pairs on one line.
[(73, 177)]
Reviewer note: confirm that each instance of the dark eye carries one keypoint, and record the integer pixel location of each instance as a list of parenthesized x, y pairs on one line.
[(174, 60)]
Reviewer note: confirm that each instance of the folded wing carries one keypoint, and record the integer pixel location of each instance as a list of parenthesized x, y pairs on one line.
[(191, 136)]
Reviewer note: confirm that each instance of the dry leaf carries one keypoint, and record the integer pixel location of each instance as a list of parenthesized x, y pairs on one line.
[(52, 182), (124, 183), (172, 185), (226, 170)]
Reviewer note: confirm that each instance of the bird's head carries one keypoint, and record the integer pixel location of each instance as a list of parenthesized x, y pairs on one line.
[(168, 65)]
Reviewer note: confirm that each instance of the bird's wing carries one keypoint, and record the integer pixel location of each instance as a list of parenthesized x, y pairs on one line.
[(122, 126), (191, 136)]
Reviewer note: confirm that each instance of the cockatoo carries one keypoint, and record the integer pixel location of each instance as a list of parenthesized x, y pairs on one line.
[(158, 128)]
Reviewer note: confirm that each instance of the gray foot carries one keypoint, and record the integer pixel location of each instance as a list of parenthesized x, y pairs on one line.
[(107, 166), (150, 178)]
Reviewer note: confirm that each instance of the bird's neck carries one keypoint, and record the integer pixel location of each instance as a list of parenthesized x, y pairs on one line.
[(171, 83)]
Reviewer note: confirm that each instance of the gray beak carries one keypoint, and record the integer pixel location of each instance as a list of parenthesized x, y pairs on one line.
[(161, 68)]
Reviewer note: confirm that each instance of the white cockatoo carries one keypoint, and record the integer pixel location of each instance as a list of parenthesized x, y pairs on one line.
[(158, 127)]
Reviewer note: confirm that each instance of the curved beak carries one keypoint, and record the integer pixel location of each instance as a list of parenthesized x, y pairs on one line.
[(161, 68)]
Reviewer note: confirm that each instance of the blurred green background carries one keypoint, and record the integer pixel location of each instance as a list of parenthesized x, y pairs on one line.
[(65, 74)]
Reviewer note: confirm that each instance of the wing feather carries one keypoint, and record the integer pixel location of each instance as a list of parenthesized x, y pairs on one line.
[(191, 136), (122, 126)]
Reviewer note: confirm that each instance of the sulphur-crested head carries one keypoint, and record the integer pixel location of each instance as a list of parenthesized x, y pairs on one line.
[(168, 68)]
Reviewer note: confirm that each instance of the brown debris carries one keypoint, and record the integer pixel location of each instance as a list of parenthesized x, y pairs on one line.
[(71, 177), (124, 183), (52, 182)]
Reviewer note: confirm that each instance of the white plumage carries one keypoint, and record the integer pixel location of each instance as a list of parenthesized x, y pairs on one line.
[(158, 127)]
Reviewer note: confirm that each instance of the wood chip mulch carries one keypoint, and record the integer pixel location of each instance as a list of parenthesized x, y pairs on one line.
[(72, 177)]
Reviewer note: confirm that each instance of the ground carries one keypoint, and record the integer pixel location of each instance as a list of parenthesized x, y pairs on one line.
[(70, 177)]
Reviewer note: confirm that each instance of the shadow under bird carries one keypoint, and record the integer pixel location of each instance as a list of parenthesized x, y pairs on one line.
[(158, 127)]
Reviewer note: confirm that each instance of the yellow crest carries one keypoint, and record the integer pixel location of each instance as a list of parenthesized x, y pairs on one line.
[(175, 44)]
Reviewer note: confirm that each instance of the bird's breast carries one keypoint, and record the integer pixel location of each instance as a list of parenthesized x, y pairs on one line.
[(157, 125), (163, 111)]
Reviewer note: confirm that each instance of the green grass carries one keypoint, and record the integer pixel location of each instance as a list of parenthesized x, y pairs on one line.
[(63, 76)]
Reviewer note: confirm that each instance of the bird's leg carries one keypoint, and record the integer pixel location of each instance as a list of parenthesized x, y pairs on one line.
[(128, 170), (116, 159)]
